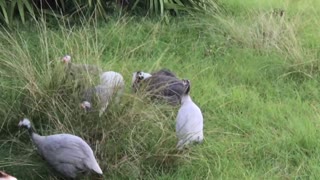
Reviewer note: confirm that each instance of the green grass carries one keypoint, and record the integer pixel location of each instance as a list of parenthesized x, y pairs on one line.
[(254, 76)]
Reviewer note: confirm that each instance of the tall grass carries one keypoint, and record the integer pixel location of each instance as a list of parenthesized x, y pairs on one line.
[(128, 140), (276, 27), (258, 124)]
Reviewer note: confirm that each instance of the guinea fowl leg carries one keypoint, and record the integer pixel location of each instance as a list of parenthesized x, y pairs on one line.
[(119, 92), (103, 109)]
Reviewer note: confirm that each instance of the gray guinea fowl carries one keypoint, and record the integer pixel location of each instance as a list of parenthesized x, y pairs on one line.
[(75, 70), (111, 85), (68, 154)]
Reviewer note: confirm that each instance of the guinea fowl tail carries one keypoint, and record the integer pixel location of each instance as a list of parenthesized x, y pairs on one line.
[(96, 168)]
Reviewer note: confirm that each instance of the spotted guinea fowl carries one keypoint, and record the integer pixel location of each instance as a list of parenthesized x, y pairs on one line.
[(189, 121), (111, 84), (5, 176), (159, 85), (67, 154), (75, 69)]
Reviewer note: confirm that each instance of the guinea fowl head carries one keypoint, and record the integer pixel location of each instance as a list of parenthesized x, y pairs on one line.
[(25, 123), (187, 86), (139, 76), (143, 75), (86, 105), (4, 176), (66, 59)]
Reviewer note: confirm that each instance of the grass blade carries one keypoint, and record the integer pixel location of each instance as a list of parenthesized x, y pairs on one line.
[(21, 11), (161, 7), (3, 6)]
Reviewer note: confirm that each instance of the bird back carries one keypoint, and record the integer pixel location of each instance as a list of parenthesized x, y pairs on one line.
[(68, 154)]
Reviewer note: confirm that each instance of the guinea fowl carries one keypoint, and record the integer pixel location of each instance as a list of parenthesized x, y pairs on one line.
[(159, 85), (67, 154), (189, 125), (111, 83), (5, 176), (75, 69)]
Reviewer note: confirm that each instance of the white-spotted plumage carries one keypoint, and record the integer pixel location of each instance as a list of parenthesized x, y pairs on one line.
[(189, 121), (66, 153)]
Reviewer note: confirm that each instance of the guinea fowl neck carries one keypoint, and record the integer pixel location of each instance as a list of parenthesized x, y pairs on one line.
[(34, 136), (69, 65), (30, 130), (185, 98)]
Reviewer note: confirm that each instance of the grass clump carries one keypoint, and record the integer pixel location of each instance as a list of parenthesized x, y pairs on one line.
[(129, 139), (270, 28)]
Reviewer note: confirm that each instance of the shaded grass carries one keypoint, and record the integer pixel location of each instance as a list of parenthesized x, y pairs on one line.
[(259, 98)]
